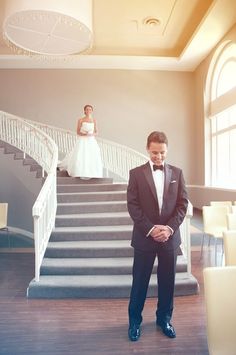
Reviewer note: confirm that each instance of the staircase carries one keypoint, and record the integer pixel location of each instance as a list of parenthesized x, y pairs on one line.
[(19, 155), (89, 253)]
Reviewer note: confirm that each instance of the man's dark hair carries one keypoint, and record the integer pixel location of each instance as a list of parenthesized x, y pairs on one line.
[(157, 137)]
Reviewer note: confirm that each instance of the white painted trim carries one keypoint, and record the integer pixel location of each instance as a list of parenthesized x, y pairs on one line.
[(223, 189), (96, 62), (222, 102), (17, 250)]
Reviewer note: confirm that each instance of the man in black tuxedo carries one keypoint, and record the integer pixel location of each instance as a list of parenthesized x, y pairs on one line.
[(157, 203)]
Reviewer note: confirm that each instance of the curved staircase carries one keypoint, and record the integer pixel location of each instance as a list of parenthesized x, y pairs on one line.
[(89, 253)]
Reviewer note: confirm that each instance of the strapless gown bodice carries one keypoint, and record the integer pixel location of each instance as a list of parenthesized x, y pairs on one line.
[(87, 127)]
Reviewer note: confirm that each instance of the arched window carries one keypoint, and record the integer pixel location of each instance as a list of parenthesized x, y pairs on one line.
[(221, 133)]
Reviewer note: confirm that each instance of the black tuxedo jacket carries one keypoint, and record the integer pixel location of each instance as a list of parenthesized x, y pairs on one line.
[(143, 206)]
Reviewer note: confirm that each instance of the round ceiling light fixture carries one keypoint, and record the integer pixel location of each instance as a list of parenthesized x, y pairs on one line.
[(48, 27)]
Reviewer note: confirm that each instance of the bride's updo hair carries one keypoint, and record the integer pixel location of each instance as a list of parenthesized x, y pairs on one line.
[(88, 106)]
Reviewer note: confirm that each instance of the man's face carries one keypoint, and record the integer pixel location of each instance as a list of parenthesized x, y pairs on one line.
[(157, 152)]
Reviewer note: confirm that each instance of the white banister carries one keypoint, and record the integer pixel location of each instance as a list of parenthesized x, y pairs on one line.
[(118, 159), (37, 144)]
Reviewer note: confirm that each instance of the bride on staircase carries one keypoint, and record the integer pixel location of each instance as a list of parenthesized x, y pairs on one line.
[(84, 160)]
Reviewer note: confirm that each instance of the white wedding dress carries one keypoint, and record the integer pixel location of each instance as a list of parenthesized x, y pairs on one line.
[(85, 158)]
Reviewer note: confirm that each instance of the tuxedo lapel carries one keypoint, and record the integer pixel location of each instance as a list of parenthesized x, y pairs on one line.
[(148, 175)]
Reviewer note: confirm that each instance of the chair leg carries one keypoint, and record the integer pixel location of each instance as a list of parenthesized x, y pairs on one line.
[(203, 237), (209, 240), (8, 238), (222, 254), (215, 251)]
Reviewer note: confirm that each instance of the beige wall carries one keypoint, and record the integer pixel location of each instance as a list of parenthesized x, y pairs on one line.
[(128, 105)]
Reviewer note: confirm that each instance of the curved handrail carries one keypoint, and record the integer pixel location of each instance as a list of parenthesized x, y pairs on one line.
[(116, 157), (37, 144)]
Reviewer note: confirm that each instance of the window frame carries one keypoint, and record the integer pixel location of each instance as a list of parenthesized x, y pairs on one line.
[(219, 105)]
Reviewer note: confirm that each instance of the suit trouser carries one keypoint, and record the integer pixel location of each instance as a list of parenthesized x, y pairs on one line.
[(142, 269)]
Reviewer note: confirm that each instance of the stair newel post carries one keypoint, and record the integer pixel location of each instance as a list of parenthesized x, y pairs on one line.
[(189, 215), (186, 236), (106, 173), (37, 247)]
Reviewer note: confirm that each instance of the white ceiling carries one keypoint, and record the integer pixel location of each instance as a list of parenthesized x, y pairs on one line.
[(140, 34)]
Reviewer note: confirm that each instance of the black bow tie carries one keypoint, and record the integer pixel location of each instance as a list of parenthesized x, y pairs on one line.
[(158, 167)]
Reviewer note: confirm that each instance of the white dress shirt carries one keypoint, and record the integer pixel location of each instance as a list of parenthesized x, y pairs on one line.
[(159, 179)]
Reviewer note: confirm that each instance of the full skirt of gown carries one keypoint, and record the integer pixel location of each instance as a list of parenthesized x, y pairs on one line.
[(84, 160)]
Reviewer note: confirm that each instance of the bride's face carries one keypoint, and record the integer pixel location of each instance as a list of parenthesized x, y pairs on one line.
[(88, 111)]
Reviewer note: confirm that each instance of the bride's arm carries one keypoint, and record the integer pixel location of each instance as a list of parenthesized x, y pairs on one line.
[(95, 127)]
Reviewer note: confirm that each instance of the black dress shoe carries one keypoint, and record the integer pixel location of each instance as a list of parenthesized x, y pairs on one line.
[(134, 332), (167, 329)]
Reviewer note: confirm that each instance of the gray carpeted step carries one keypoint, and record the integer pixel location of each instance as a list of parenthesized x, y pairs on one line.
[(63, 174), (96, 266), (89, 249), (19, 156), (69, 188), (123, 232), (88, 207), (30, 161), (35, 167), (102, 286), (86, 266), (10, 149), (63, 179), (91, 196), (93, 219)]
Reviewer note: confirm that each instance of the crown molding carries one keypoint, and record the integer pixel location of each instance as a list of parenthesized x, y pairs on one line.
[(95, 62)]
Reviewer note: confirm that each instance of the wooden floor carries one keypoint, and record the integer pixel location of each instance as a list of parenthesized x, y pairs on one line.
[(91, 326)]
